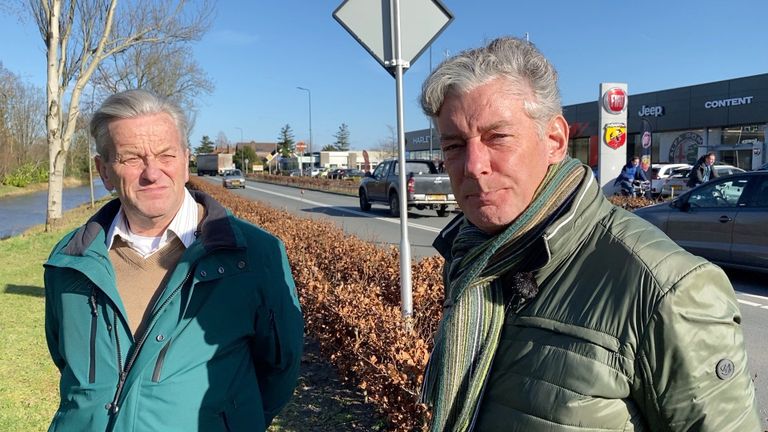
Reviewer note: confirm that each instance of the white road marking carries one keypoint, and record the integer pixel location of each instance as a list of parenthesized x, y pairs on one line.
[(748, 303), (755, 296), (354, 212)]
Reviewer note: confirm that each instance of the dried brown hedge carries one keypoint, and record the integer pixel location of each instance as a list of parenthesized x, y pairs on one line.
[(351, 303), (631, 203)]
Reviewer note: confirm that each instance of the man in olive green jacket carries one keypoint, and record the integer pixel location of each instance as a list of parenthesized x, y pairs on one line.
[(563, 312)]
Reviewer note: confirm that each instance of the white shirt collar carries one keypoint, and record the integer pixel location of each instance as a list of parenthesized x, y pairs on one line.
[(183, 226)]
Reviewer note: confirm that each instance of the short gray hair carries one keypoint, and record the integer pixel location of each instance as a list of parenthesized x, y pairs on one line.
[(513, 59), (132, 104)]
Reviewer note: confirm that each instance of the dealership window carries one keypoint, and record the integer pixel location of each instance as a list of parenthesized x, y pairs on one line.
[(437, 154), (578, 148), (750, 134)]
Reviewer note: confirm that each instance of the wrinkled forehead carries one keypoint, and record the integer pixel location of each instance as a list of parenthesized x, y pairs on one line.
[(156, 131)]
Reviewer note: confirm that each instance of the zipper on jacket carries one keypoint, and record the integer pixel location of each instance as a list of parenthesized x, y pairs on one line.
[(114, 406), (92, 347), (160, 361)]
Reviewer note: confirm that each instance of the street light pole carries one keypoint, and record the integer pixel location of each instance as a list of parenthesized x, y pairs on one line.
[(245, 168), (311, 162)]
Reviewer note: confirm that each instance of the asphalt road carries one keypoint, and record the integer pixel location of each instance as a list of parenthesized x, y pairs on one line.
[(423, 226)]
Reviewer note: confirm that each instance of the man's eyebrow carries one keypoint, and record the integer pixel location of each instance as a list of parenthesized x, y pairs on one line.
[(496, 125), (451, 137), (492, 126)]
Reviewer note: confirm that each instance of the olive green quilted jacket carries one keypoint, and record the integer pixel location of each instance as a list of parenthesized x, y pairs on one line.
[(628, 333)]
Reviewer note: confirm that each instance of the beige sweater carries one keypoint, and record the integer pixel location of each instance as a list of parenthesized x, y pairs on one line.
[(140, 281)]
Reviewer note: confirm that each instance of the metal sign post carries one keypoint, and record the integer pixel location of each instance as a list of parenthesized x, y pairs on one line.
[(396, 38)]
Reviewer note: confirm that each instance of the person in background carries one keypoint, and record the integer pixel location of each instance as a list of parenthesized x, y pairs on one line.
[(703, 171), (164, 312), (630, 173), (563, 312)]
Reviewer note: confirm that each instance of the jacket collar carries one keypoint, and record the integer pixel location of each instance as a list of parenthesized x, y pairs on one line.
[(215, 230), (588, 206), (445, 239)]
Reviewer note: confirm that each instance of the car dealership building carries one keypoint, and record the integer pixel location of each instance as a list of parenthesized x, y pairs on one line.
[(727, 117)]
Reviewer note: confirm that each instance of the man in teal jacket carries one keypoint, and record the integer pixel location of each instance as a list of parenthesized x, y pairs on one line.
[(164, 312), (563, 312)]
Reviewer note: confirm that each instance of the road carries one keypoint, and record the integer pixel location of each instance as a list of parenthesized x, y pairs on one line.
[(377, 227)]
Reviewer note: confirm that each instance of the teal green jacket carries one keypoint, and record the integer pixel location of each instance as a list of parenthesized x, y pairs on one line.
[(221, 351), (627, 333)]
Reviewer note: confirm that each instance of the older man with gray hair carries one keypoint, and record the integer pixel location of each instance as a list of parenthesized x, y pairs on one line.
[(563, 312), (164, 312)]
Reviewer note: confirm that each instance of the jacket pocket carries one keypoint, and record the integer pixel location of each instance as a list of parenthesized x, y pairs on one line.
[(601, 339), (276, 336), (580, 359), (160, 361), (239, 417), (82, 408)]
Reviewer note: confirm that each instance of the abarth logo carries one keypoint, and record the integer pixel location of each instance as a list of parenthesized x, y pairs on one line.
[(615, 135)]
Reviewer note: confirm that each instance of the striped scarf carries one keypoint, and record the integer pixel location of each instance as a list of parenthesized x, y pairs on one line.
[(474, 309)]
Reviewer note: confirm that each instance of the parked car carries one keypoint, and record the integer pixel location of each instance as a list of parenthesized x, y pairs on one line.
[(660, 172), (764, 167), (677, 182), (345, 173), (426, 188), (233, 179), (723, 220), (351, 174), (313, 172), (335, 173)]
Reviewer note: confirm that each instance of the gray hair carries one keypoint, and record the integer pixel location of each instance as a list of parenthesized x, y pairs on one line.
[(515, 60), (132, 104)]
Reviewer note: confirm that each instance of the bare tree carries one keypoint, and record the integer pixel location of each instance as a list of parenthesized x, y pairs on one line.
[(81, 34), (222, 142), (387, 146), (22, 108), (167, 70)]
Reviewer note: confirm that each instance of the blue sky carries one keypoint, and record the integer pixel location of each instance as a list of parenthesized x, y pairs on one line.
[(258, 52)]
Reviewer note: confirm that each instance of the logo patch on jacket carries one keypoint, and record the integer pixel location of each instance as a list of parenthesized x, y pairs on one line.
[(725, 369)]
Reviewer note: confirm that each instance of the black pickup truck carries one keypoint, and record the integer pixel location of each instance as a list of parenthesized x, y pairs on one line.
[(427, 188)]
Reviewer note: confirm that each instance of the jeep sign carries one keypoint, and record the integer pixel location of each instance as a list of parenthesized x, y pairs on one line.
[(647, 111)]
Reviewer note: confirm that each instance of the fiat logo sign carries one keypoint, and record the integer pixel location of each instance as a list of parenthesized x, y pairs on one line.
[(615, 100)]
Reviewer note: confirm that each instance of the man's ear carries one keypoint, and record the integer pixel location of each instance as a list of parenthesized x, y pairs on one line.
[(101, 166), (556, 137)]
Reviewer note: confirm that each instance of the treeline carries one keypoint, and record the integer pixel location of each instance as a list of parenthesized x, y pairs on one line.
[(23, 146)]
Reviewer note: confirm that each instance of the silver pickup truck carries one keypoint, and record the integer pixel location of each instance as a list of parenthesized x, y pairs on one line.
[(427, 188)]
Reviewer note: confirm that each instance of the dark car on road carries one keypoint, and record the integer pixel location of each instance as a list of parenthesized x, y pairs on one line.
[(724, 220)]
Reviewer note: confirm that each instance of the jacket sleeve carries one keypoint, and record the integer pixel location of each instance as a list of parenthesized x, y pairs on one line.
[(697, 175), (691, 362), (640, 174), (52, 321), (279, 346)]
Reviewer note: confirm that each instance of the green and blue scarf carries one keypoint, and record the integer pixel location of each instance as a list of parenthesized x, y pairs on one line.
[(474, 310)]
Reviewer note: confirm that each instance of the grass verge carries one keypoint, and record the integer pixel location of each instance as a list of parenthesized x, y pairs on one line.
[(9, 191), (28, 378)]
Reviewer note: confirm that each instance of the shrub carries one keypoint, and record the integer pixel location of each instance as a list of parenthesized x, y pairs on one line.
[(26, 174), (351, 305)]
